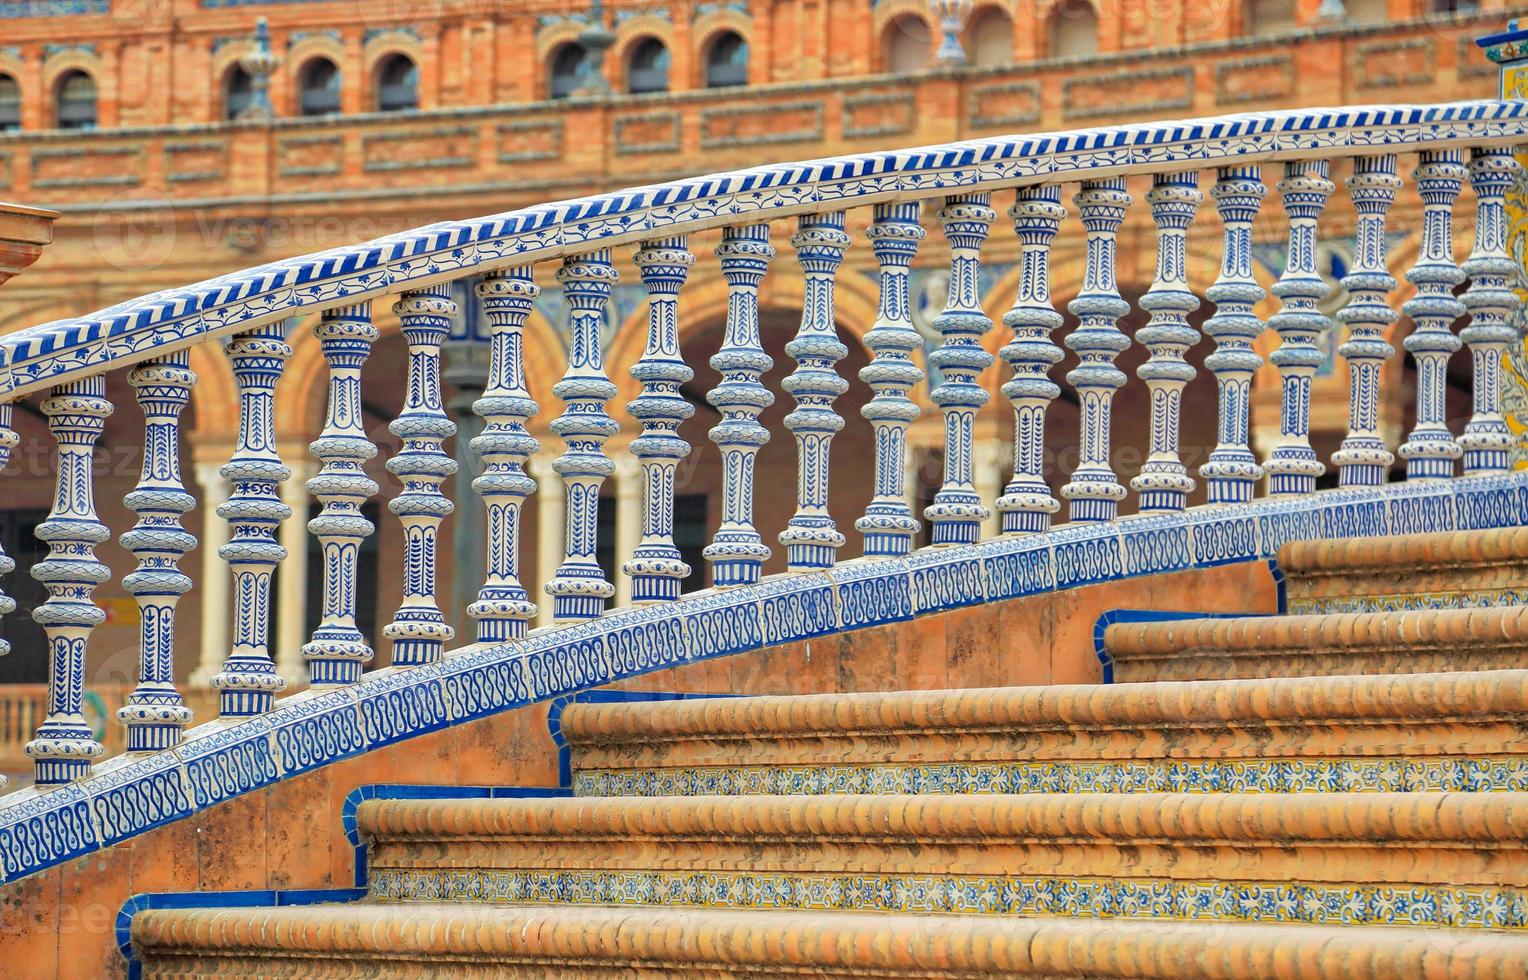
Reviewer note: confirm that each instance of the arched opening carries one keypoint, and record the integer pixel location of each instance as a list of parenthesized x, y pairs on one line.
[(906, 44), (1264, 17), (727, 60), (318, 88), (75, 101), (647, 68), (564, 71), (989, 38), (238, 91), (1072, 30), (10, 104), (397, 84)]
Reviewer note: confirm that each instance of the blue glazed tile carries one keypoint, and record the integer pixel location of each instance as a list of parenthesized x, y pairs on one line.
[(223, 760), (485, 681), (1017, 566), (40, 829), (128, 796), (946, 578), (400, 703), (1157, 543), (873, 592), (312, 729), (796, 607), (721, 621), (1482, 504), (1352, 514), (1222, 535), (1086, 553), (642, 640), (566, 659)]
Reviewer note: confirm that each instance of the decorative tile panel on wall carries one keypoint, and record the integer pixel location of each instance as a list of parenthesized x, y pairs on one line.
[(1388, 64), (647, 132), (191, 161), (439, 148), (1004, 105), (1254, 80), (1147, 90), (764, 125), (526, 140), (879, 114), (103, 166), (309, 156)]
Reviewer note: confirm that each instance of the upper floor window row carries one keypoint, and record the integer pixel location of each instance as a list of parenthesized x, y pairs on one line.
[(647, 65)]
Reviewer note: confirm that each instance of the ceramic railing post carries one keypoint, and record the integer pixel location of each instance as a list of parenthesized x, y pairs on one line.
[(419, 630), (1163, 483), (504, 608), (1292, 467), (655, 568), (1363, 460), (811, 540), (737, 553), (579, 589), (9, 440), (1027, 503), (1231, 473), (337, 652), (154, 712), (889, 525), (1094, 492), (957, 513), (248, 682), (1430, 451), (1491, 302), (65, 747)]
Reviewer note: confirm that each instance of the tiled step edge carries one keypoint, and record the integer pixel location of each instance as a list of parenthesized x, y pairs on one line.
[(451, 939), (1408, 571)]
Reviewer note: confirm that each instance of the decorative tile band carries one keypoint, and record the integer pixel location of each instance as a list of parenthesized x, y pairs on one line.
[(1249, 776), (1114, 898), (1472, 599)]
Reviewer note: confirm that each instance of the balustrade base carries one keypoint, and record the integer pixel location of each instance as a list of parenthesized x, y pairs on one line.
[(1290, 484), (1090, 509), (501, 630), (809, 557), (1156, 501), (577, 608), (152, 738), (322, 673), (59, 772), (1026, 521), (417, 653), (1481, 462), (886, 544), (1229, 491), (244, 704), (954, 532), (727, 574), (1429, 468), (1361, 475), (655, 588)]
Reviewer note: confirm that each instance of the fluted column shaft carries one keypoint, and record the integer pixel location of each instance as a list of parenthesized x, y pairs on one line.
[(1430, 451), (1094, 493), (504, 607), (889, 525), (248, 682), (1363, 460), (655, 569), (154, 712), (738, 552), (579, 589), (337, 652), (811, 539), (65, 746), (957, 512), (1163, 483), (1027, 504), (1292, 467), (1491, 302), (419, 631), (1231, 473)]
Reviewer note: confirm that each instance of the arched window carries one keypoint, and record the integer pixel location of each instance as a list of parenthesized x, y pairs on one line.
[(238, 90), (906, 45), (397, 84), (647, 70), (727, 60), (1266, 17), (566, 68), (75, 101), (1072, 31), (318, 88), (10, 104), (989, 38)]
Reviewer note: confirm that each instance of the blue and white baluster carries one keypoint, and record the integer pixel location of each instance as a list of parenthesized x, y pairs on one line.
[(9, 440), (655, 567), (957, 513), (579, 589), (418, 630), (337, 652), (810, 538), (737, 553), (889, 524), (1491, 303), (1430, 451), (1292, 467), (1026, 503), (1163, 483), (154, 712), (248, 682), (1094, 493), (504, 609), (65, 747), (1231, 473), (1363, 460)]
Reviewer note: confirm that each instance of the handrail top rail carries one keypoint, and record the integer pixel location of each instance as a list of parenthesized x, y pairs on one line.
[(148, 326)]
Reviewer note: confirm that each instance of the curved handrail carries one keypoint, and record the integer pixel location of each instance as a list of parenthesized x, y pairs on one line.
[(36, 358)]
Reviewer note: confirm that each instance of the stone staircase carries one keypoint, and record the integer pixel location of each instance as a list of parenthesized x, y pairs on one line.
[(1214, 814)]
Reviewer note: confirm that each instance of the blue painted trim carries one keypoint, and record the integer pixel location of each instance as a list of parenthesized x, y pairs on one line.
[(218, 760), (554, 718), (1113, 616), (1280, 583)]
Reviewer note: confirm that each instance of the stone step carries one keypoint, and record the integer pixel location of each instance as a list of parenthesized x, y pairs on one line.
[(1454, 569), (1391, 733), (1410, 641), (1452, 860), (463, 941)]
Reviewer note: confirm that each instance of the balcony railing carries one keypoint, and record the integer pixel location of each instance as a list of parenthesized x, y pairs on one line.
[(1042, 186)]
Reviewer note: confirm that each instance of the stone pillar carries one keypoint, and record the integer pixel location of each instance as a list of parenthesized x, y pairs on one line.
[(212, 582), (549, 527), (628, 519), (292, 576), (1509, 50)]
